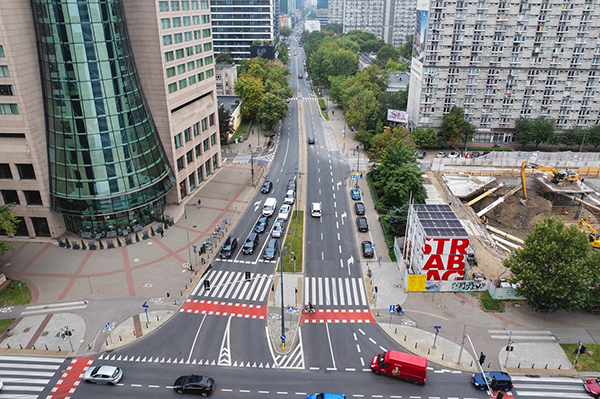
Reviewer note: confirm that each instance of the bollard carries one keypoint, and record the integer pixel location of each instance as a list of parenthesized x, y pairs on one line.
[(489, 365), (59, 348), (443, 357), (89, 347), (146, 325), (8, 345), (546, 366), (106, 342), (134, 333), (471, 363), (405, 338), (533, 365), (519, 366), (396, 330), (429, 351), (190, 280), (157, 319), (175, 301), (47, 346), (378, 313), (33, 347), (559, 366), (181, 292), (21, 346), (416, 343), (186, 286)]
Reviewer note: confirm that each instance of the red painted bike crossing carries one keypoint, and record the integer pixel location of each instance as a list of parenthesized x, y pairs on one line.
[(68, 382)]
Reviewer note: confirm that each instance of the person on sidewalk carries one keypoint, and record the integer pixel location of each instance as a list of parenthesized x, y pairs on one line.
[(399, 309), (379, 259)]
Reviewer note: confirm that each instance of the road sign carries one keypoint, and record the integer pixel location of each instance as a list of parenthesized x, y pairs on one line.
[(107, 326), (283, 336), (145, 304), (373, 245), (392, 308), (290, 308)]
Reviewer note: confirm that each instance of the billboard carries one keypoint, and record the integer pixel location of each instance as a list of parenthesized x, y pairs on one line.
[(259, 50), (397, 116), (444, 258)]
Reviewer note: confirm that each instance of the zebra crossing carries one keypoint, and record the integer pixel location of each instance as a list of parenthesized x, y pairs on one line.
[(232, 285), (548, 387), (303, 98), (25, 377), (522, 335), (244, 261), (335, 291)]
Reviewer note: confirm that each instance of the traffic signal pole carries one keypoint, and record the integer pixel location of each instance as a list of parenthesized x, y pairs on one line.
[(479, 363)]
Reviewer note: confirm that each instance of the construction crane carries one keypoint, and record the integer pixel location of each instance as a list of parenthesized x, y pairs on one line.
[(524, 200), (559, 177), (593, 237)]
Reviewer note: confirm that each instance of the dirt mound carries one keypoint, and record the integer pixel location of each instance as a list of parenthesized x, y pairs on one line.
[(513, 217)]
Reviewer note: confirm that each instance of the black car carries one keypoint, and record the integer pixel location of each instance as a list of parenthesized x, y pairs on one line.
[(299, 76), (266, 187), (359, 208), (361, 223), (193, 383), (270, 249), (292, 185), (311, 140), (261, 225), (497, 380), (475, 154), (420, 154), (229, 247), (250, 244), (367, 249)]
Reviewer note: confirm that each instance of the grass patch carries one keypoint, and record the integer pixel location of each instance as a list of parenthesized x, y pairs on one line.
[(12, 295), (325, 115), (585, 362), (295, 234), (5, 323), (490, 304)]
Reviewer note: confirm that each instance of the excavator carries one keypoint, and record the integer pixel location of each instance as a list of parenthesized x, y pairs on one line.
[(558, 176), (594, 237)]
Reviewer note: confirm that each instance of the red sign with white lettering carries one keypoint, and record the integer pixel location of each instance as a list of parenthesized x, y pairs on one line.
[(445, 258)]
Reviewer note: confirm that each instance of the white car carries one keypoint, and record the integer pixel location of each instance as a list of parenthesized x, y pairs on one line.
[(284, 212), (289, 197), (277, 229), (103, 374), (315, 209), (441, 154), (453, 154)]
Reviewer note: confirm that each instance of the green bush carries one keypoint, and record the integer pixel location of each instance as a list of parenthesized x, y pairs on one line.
[(322, 104)]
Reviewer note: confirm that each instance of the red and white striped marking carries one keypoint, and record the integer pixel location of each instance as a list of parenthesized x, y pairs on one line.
[(338, 316), (225, 309), (68, 382)]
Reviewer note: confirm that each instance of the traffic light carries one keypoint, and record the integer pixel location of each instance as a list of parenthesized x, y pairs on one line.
[(203, 249), (481, 358), (206, 285), (582, 349)]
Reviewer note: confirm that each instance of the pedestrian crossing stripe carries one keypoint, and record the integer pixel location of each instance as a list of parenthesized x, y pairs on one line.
[(26, 376), (227, 284), (335, 291), (334, 316), (224, 309), (70, 379), (303, 98)]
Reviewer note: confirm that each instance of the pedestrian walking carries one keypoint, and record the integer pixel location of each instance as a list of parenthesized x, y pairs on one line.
[(399, 309), (332, 113), (361, 175), (199, 203), (379, 259), (162, 233)]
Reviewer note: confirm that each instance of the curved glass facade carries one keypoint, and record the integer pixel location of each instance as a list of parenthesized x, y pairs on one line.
[(105, 156)]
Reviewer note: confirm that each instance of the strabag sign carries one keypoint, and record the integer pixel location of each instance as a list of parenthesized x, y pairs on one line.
[(397, 116), (445, 258)]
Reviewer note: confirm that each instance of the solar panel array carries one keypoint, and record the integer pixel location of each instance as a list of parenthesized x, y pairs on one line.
[(439, 221)]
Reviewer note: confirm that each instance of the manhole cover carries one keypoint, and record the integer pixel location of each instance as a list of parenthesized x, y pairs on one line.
[(27, 329), (148, 285), (462, 302), (442, 306), (194, 226), (45, 333)]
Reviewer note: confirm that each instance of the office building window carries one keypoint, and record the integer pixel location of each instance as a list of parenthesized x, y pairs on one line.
[(195, 129), (192, 80), (176, 22), (9, 109), (40, 225), (175, 6), (189, 156), (204, 4), (189, 51), (199, 63), (169, 56), (4, 73), (211, 119), (163, 6), (177, 140), (206, 32), (172, 88), (197, 34), (10, 196), (180, 164), (26, 171), (200, 174), (187, 134), (194, 4), (187, 21), (192, 181), (206, 19), (178, 38), (170, 72), (210, 73), (207, 46), (213, 139), (196, 19), (33, 198), (207, 167), (165, 23), (200, 76), (204, 125), (179, 53), (183, 83), (205, 145), (188, 36), (191, 66), (180, 69), (208, 60), (7, 90), (198, 48), (167, 40), (185, 5), (198, 149), (214, 162), (5, 172), (2, 55)]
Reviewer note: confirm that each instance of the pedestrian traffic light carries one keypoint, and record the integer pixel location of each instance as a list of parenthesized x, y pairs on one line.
[(206, 285), (481, 358), (203, 249)]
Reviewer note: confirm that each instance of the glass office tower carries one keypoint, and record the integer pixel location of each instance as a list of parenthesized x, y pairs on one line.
[(108, 169)]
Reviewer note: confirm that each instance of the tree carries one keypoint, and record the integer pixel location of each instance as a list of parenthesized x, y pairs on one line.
[(542, 129), (224, 57), (286, 31), (523, 132), (425, 137), (8, 225), (335, 28), (454, 126), (371, 46), (396, 220), (553, 266), (385, 53), (407, 48), (400, 182), (379, 142), (272, 110), (362, 110), (225, 126), (251, 91), (572, 136), (592, 136), (282, 53)]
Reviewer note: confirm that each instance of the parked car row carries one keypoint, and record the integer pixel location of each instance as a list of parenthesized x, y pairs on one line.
[(453, 154)]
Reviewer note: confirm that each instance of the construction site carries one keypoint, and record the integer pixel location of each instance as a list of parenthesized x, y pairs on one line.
[(500, 200)]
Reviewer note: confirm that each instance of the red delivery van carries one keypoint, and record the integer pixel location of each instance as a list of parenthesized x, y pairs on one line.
[(403, 366)]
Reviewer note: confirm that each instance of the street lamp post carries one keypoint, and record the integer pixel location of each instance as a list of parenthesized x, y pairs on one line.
[(283, 252)]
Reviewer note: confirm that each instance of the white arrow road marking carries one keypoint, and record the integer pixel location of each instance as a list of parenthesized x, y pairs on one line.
[(256, 205), (225, 352), (343, 216)]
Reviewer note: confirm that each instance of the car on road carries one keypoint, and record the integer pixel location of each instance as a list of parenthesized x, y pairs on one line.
[(326, 396), (277, 229), (294, 53), (420, 154), (361, 223), (592, 387), (453, 154), (367, 249), (497, 380), (359, 208), (270, 250), (315, 209), (355, 194), (311, 140), (474, 154), (289, 197), (284, 212), (441, 154), (229, 246), (266, 187), (261, 225), (287, 100), (250, 243), (292, 185), (103, 374), (299, 76), (198, 384)]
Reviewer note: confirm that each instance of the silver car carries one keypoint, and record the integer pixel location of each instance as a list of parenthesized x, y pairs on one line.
[(289, 197), (277, 229), (103, 374)]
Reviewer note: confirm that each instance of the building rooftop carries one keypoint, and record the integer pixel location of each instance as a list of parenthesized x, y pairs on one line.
[(439, 221), (229, 102)]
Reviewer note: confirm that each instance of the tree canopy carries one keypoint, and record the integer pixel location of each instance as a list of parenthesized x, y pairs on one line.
[(385, 53), (539, 130), (224, 57), (425, 137), (8, 225), (557, 267), (400, 174), (272, 109), (286, 31), (455, 128), (225, 126)]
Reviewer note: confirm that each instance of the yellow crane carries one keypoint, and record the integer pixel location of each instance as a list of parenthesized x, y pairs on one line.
[(593, 237)]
